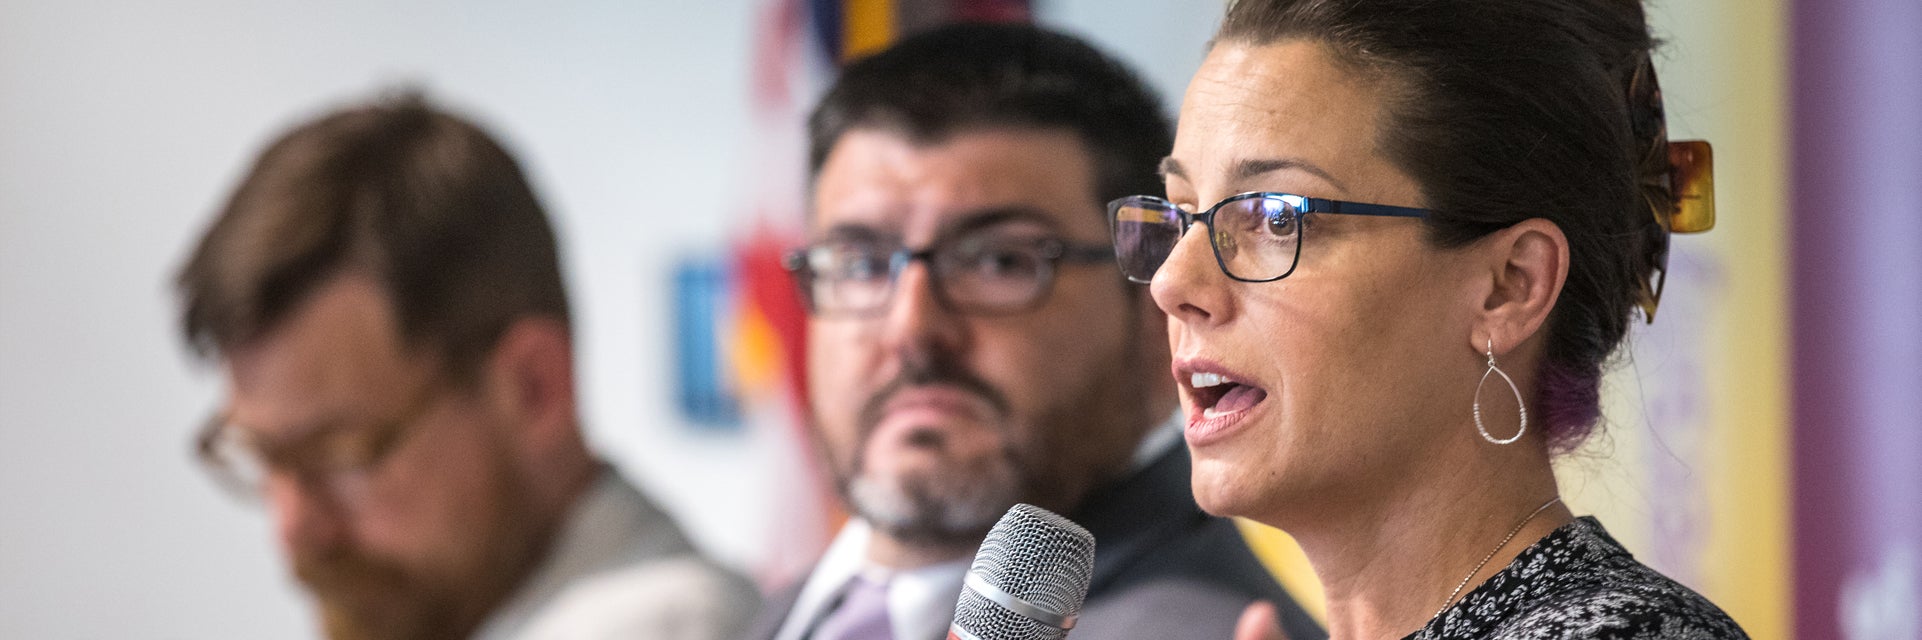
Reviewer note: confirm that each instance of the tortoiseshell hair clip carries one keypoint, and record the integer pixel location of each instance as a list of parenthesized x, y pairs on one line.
[(1678, 182)]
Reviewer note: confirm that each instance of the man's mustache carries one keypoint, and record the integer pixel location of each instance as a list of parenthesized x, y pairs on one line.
[(927, 373)]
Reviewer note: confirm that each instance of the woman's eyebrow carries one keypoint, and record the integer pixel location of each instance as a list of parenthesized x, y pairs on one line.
[(1254, 167)]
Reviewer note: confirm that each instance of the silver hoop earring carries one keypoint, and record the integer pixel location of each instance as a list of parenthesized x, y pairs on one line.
[(1492, 369)]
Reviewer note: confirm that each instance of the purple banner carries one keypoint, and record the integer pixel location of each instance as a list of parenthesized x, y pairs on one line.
[(1856, 226)]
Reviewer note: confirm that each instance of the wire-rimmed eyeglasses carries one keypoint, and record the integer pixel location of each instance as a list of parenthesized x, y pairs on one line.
[(1257, 236), (338, 462)]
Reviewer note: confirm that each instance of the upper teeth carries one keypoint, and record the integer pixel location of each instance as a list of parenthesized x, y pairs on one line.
[(1205, 380)]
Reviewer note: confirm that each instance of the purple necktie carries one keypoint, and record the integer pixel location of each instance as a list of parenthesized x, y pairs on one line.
[(862, 614)]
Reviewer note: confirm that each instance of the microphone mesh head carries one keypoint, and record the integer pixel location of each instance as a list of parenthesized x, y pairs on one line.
[(1034, 555)]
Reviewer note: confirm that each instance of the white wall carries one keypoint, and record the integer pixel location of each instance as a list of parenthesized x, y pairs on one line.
[(122, 125)]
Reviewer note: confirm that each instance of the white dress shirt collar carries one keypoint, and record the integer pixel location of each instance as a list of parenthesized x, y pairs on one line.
[(920, 601)]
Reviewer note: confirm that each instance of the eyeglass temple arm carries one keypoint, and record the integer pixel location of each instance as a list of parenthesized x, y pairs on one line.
[(1322, 205), (1087, 252)]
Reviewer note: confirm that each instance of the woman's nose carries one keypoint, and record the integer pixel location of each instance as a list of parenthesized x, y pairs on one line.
[(1190, 286)]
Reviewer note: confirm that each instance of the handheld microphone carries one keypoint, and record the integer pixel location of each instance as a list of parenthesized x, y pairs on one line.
[(1028, 579)]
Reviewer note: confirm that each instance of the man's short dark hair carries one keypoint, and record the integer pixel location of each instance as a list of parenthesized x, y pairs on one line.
[(970, 77), (425, 203)]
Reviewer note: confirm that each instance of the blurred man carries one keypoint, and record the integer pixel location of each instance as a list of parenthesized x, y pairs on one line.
[(972, 345), (384, 296)]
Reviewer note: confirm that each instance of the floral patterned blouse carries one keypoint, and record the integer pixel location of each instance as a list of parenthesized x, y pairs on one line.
[(1577, 582)]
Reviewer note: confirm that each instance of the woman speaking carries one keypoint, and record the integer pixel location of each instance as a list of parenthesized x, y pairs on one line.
[(1400, 241)]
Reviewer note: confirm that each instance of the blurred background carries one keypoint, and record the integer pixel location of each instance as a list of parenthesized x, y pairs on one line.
[(1764, 439)]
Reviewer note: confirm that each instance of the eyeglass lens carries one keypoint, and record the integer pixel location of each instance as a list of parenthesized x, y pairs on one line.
[(1254, 238), (978, 273)]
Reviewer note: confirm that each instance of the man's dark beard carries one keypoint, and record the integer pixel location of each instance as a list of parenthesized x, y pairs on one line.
[(937, 510), (363, 598)]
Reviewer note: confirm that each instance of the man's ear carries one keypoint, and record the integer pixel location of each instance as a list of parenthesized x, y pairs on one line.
[(1527, 265), (530, 376)]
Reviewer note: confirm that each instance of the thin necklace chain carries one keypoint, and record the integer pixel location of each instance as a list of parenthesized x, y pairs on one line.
[(1491, 554)]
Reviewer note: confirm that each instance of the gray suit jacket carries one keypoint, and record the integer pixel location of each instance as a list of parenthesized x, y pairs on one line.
[(1164, 569), (621, 568)]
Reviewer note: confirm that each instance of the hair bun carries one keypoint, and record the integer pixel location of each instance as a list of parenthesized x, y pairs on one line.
[(1648, 124)]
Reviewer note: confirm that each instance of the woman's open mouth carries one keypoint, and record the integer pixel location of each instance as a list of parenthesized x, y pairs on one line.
[(1218, 400)]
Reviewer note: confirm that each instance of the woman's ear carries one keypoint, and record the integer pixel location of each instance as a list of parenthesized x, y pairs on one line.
[(1527, 265)]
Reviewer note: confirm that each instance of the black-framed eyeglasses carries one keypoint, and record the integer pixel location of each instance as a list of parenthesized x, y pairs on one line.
[(1256, 236), (981, 274), (336, 462)]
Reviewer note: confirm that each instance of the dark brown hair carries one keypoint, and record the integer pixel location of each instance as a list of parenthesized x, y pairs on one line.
[(1505, 110), (426, 203), (968, 77)]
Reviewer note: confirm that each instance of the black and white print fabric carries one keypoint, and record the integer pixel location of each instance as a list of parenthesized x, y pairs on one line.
[(1578, 582)]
